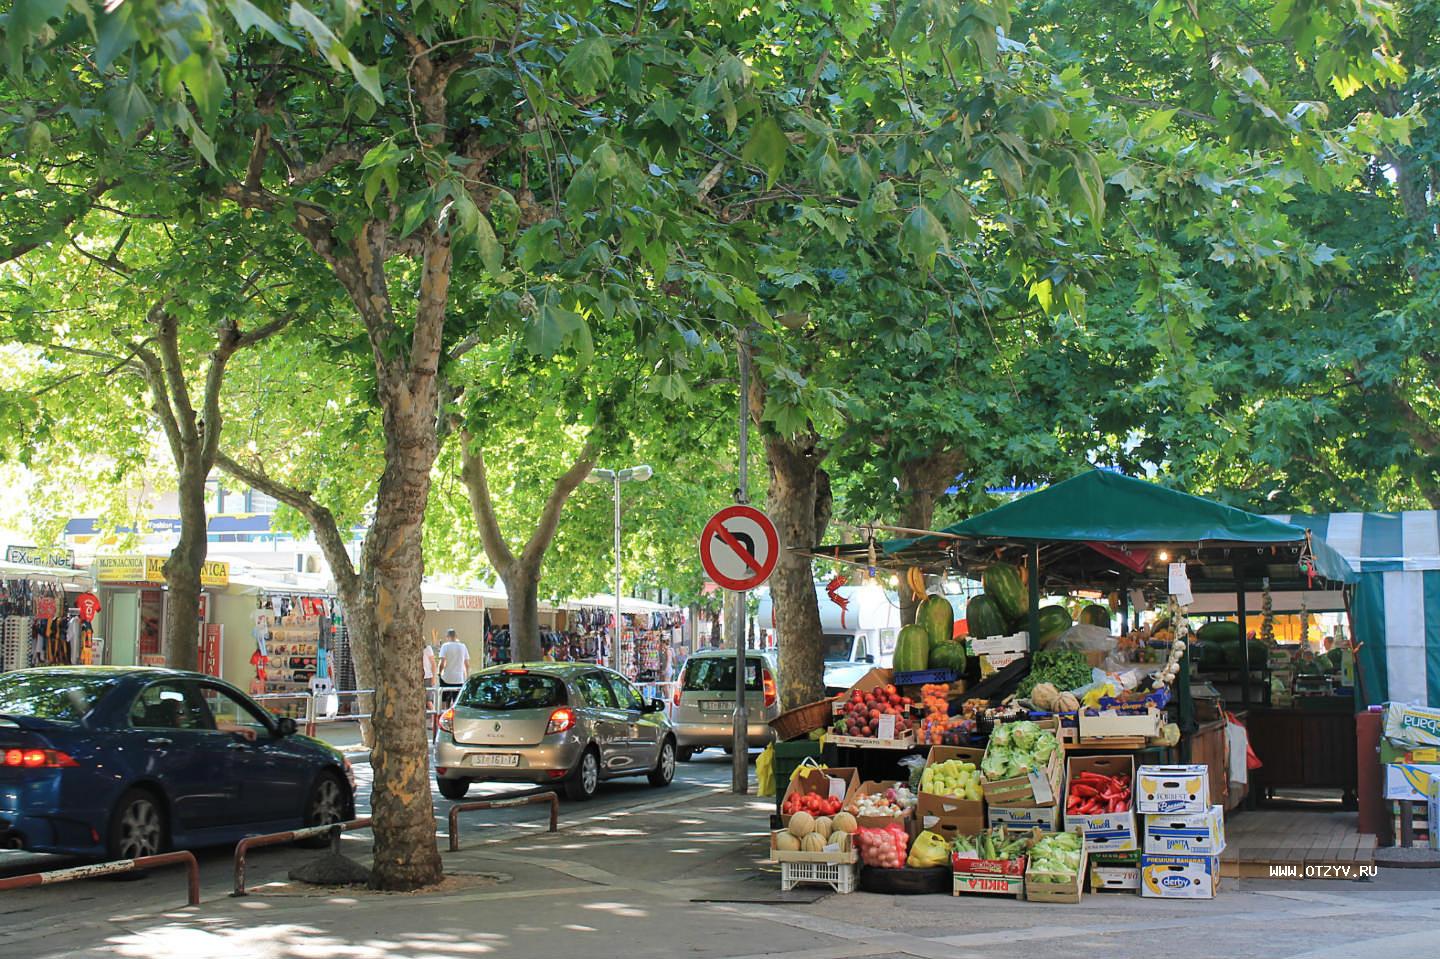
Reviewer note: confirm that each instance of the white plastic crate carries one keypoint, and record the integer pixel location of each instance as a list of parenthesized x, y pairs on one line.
[(839, 876)]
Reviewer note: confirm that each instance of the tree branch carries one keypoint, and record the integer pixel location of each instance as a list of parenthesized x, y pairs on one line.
[(477, 486), (344, 153), (167, 330), (74, 209), (565, 484), (321, 520), (160, 402)]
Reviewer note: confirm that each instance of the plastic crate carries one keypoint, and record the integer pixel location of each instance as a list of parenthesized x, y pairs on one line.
[(787, 757), (924, 677), (838, 876)]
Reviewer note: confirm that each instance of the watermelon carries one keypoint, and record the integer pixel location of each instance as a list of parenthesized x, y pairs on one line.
[(1054, 620), (938, 618), (1219, 631), (983, 616), (912, 650), (1095, 615), (949, 655), (1002, 584)]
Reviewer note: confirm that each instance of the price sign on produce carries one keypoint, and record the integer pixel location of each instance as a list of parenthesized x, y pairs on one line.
[(739, 547)]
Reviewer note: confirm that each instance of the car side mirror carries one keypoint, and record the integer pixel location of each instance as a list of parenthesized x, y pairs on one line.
[(286, 726), (653, 706), (870, 658)]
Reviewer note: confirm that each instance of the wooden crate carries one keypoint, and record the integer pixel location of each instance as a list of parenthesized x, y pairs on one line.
[(1057, 891), (1020, 791), (845, 854)]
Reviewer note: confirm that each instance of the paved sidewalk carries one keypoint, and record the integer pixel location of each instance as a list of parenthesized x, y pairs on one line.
[(683, 876)]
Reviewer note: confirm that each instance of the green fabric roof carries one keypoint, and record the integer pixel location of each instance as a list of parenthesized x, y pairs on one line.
[(1106, 507)]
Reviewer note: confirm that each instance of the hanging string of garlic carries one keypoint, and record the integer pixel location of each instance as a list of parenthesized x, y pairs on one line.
[(1171, 669), (1267, 616), (1304, 625)]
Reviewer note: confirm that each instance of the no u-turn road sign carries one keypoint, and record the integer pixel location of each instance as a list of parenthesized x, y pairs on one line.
[(739, 547)]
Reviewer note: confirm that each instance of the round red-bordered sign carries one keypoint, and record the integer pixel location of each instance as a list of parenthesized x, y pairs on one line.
[(739, 547)]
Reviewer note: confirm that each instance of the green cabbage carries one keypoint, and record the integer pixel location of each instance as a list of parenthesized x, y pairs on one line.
[(1023, 734)]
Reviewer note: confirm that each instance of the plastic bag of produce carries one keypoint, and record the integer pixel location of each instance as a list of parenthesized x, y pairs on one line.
[(765, 772), (882, 848), (928, 851)]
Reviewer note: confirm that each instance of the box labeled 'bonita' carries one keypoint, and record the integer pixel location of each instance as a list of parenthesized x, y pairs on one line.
[(1105, 831), (1186, 834), (1172, 789), (1179, 877)]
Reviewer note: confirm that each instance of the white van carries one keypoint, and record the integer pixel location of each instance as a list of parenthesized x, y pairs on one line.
[(857, 637)]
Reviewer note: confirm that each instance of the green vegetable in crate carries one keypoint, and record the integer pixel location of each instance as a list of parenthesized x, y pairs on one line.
[(1022, 734), (966, 846), (1056, 857), (1095, 615), (1002, 583), (1065, 669), (938, 617), (997, 758), (984, 618), (912, 650)]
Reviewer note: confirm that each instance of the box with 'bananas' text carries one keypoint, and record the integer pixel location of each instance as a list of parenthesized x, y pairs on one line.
[(1179, 877), (1172, 789)]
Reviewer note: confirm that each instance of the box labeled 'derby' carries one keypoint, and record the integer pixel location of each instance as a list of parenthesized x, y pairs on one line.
[(1172, 789), (1186, 834), (1179, 877)]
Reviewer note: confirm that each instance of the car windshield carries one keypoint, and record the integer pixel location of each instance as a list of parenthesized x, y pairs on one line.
[(512, 691), (837, 648), (63, 697), (716, 674)]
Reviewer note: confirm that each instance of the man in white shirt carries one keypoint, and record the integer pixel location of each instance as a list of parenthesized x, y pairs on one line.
[(454, 667)]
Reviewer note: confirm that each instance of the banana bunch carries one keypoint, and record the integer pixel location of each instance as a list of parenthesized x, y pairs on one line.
[(915, 579)]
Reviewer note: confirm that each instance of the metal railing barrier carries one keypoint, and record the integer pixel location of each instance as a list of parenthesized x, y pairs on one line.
[(113, 868), (458, 808)]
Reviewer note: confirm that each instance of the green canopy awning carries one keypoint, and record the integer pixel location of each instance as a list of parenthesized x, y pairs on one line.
[(1099, 506)]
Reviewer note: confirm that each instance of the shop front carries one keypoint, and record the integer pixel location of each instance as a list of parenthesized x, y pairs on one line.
[(47, 610), (134, 607)]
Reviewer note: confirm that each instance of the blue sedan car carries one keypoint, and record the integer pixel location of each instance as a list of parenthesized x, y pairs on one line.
[(118, 762)]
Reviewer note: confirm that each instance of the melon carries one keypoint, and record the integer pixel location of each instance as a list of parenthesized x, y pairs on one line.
[(802, 824), (823, 825), (1003, 584), (912, 649), (842, 822), (938, 617), (949, 655), (784, 842), (1095, 615), (812, 843), (983, 616), (1054, 620)]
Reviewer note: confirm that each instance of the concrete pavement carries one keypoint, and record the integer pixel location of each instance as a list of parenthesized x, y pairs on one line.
[(678, 872)]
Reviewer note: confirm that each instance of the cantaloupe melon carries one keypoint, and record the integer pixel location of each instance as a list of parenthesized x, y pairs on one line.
[(842, 822), (823, 825), (812, 843), (802, 824), (786, 842)]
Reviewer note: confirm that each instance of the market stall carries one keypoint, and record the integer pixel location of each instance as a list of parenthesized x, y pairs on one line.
[(42, 619), (1083, 732)]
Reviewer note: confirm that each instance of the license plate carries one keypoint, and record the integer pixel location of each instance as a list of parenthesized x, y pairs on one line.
[(494, 759), (716, 706)]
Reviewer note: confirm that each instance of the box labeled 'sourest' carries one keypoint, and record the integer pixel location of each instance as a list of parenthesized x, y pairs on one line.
[(1172, 788)]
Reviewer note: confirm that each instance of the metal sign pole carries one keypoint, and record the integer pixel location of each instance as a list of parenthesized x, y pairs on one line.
[(740, 771), (613, 660)]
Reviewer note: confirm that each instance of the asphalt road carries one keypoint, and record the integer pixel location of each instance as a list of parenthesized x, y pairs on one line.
[(709, 771)]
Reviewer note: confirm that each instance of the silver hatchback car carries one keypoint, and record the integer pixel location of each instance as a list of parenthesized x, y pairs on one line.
[(705, 700), (569, 724)]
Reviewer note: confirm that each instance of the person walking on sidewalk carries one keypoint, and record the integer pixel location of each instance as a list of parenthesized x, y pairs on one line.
[(454, 668)]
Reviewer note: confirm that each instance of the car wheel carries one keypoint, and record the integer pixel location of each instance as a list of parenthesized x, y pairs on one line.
[(137, 826), (586, 779), (453, 788), (328, 804), (664, 770), (685, 753)]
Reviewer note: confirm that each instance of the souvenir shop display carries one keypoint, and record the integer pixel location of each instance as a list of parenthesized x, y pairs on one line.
[(289, 632), (43, 624)]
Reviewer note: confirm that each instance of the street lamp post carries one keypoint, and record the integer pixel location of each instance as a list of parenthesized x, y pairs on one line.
[(635, 474)]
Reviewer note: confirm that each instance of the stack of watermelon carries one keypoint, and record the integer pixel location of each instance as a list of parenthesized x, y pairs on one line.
[(929, 642), (1003, 609)]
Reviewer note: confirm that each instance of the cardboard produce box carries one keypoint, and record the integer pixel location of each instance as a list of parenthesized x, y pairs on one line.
[(1179, 877), (1412, 725), (1114, 724), (1186, 834), (1115, 872), (1409, 755), (1044, 818), (937, 808), (877, 822), (1003, 877), (1172, 789), (1407, 782), (1104, 832), (840, 782), (1433, 812)]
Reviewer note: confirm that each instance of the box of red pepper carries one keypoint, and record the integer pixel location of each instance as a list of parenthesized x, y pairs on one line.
[(1099, 801)]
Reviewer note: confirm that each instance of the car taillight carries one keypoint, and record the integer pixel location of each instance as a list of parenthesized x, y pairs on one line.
[(37, 759), (447, 720), (770, 695), (561, 720)]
